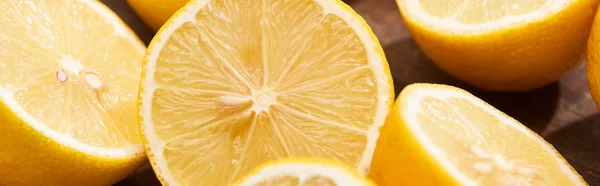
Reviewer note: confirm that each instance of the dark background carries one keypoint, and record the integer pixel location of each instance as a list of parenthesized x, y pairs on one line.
[(563, 113)]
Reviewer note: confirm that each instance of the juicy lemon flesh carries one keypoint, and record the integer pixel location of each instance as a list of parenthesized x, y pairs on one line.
[(304, 172), (485, 149), (68, 73), (252, 81), (481, 11), (291, 180)]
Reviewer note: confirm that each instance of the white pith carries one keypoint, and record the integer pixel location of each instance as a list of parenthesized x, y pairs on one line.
[(188, 13), (303, 171), (411, 108), (413, 8), (7, 97)]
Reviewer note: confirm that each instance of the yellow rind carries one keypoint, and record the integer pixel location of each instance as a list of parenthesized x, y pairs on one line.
[(400, 159), (520, 57), (150, 12), (31, 158), (593, 61)]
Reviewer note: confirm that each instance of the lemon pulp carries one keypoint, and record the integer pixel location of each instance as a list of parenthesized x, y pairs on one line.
[(481, 11), (484, 148), (304, 172), (233, 84)]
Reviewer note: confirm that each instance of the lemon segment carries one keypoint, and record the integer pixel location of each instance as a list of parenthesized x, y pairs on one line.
[(68, 84), (470, 12), (455, 138), (304, 172), (232, 84)]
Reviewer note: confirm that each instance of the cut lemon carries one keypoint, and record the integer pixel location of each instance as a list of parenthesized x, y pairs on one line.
[(304, 172), (69, 71), (441, 135), (229, 85), (502, 45)]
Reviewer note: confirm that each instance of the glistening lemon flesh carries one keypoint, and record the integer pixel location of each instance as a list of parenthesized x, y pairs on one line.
[(229, 85), (304, 172), (450, 137), (68, 76), (512, 45)]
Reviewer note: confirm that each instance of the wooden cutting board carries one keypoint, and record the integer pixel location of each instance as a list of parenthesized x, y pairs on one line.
[(563, 113)]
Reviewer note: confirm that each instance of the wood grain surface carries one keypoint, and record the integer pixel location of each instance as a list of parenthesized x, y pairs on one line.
[(563, 113)]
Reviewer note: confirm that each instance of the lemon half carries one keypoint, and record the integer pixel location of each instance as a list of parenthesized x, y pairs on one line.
[(502, 45), (229, 85), (69, 71), (442, 135)]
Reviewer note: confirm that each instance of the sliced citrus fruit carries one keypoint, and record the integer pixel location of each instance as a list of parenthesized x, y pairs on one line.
[(304, 172), (450, 137), (229, 85), (69, 71), (502, 45)]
